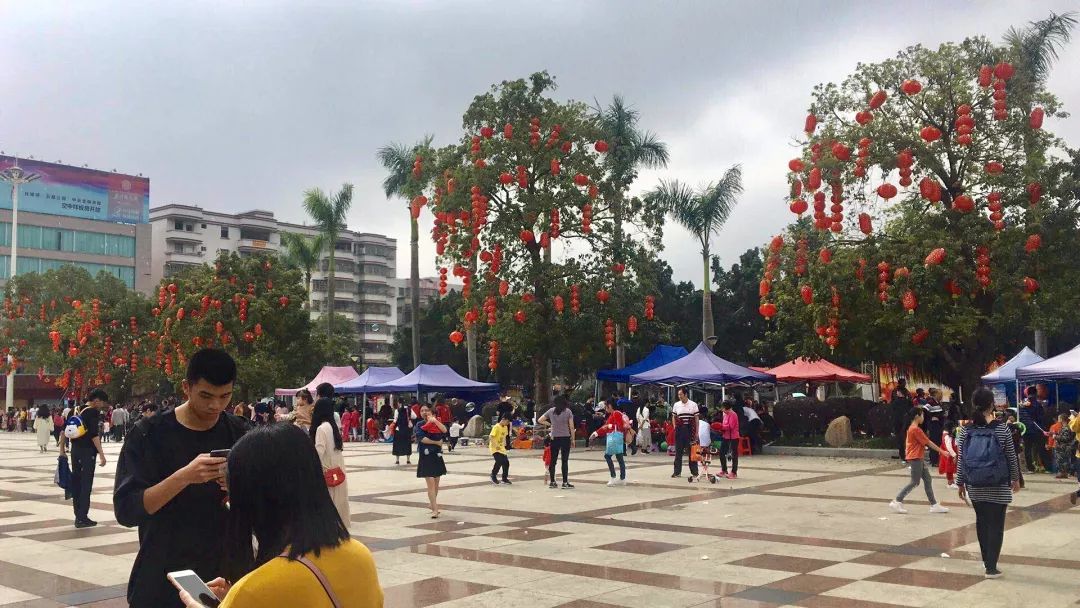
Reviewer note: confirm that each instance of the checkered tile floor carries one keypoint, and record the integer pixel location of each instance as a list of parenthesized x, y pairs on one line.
[(791, 531)]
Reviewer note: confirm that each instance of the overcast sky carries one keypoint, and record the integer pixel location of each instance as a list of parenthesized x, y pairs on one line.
[(238, 105)]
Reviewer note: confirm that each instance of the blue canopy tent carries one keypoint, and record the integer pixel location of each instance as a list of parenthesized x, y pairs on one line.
[(701, 366), (661, 355), (1006, 374), (361, 384), (434, 378)]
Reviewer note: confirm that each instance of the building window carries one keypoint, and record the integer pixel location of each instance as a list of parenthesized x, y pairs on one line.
[(254, 234), (224, 232), (75, 241), (178, 225)]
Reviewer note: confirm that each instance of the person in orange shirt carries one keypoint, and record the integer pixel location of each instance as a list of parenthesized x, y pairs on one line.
[(915, 452)]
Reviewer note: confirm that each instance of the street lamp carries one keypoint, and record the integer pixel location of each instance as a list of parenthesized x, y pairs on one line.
[(15, 176)]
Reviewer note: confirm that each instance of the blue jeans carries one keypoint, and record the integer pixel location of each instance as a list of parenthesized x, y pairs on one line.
[(611, 465)]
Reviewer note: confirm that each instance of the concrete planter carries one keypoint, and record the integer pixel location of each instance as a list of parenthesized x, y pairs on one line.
[(827, 452)]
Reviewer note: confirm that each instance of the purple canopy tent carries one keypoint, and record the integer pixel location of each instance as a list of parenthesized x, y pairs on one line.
[(433, 378), (701, 366), (333, 375), (362, 383)]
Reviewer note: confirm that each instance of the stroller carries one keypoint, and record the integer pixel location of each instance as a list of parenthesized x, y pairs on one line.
[(703, 456)]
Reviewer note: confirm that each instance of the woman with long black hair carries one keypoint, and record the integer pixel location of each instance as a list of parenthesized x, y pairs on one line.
[(430, 465), (326, 436), (561, 420), (305, 557), (988, 473), (403, 433)]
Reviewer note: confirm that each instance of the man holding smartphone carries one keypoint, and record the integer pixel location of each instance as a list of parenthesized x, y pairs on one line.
[(170, 482)]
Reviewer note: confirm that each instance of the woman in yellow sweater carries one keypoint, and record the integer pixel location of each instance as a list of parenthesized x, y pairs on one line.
[(305, 556)]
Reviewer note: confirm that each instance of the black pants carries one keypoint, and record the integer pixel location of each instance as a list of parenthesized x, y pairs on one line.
[(453, 443), (560, 446), (754, 432), (502, 461), (729, 445), (682, 446), (1034, 451), (990, 526), (82, 480), (901, 439)]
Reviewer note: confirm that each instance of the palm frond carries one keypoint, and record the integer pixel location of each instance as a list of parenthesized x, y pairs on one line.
[(651, 152), (397, 161), (342, 204), (1037, 45), (721, 198), (679, 201)]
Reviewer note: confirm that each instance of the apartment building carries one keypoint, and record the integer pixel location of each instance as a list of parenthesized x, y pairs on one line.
[(429, 292), (365, 264)]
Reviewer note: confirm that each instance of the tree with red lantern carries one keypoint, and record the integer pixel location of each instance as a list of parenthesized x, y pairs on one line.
[(544, 183), (252, 307), (960, 176)]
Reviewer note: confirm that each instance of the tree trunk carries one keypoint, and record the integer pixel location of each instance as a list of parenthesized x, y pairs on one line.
[(414, 288), (470, 344), (307, 286), (1040, 343), (620, 356), (707, 327), (617, 244), (542, 360), (331, 296)]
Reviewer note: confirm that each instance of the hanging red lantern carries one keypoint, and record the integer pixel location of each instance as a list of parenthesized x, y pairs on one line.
[(986, 74), (813, 180), (249, 336), (764, 288), (810, 124), (930, 189), (807, 294), (911, 87), (559, 304), (519, 316), (504, 288), (601, 146), (1035, 192), (935, 257), (993, 167), (864, 117), (527, 236), (767, 310), (508, 131), (825, 256), (930, 134), (886, 191), (632, 324), (618, 268), (920, 336), (796, 165), (877, 99), (864, 224), (841, 152), (602, 296), (963, 204), (798, 206), (910, 302), (581, 179), (1033, 243), (1030, 285), (284, 301), (1004, 70), (456, 337), (1035, 120)]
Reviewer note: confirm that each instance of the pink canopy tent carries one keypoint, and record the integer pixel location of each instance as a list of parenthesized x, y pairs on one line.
[(803, 370), (333, 375)]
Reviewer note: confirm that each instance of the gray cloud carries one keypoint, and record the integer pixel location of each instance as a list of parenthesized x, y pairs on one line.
[(246, 104)]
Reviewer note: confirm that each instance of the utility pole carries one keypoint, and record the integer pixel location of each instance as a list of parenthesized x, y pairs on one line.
[(15, 176)]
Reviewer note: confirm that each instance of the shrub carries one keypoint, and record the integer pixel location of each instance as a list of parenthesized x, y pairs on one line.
[(806, 416)]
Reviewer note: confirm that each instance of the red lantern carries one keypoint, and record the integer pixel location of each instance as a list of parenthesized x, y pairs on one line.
[(1033, 243), (841, 152), (920, 336), (508, 131), (864, 223), (1034, 190), (767, 310), (864, 117), (248, 337), (456, 337), (527, 236), (559, 304), (1036, 118), (930, 134), (930, 189), (825, 256), (505, 178), (601, 146), (504, 288), (1030, 285), (886, 191), (993, 167), (911, 87), (764, 288), (935, 257), (581, 179), (807, 294), (810, 124), (602, 296), (986, 73), (172, 288), (519, 316), (798, 206), (284, 301), (813, 180), (1004, 70), (632, 324), (555, 166), (180, 314), (910, 302), (963, 204), (877, 99), (618, 267), (796, 165)]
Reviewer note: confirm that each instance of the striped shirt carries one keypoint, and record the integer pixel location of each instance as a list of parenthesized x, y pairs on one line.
[(684, 413), (1002, 494)]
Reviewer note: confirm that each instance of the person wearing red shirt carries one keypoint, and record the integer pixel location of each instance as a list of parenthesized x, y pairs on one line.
[(617, 422), (442, 412)]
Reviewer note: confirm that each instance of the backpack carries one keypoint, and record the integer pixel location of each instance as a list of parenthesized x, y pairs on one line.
[(983, 459), (75, 428)]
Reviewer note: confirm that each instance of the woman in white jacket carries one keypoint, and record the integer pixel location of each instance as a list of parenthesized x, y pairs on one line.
[(644, 433), (327, 437)]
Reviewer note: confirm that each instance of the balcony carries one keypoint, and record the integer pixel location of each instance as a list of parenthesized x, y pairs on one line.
[(172, 232), (185, 257), (256, 245)]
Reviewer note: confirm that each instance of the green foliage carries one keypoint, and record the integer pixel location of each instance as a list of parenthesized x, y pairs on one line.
[(331, 216), (954, 335)]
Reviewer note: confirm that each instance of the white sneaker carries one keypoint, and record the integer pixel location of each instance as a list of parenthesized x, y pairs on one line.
[(622, 482), (614, 482), (898, 507), (953, 486), (938, 509)]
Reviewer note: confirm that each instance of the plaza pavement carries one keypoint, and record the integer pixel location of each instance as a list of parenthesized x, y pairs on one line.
[(792, 531)]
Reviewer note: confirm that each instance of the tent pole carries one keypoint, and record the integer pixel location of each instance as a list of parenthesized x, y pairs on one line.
[(363, 418), (1057, 395)]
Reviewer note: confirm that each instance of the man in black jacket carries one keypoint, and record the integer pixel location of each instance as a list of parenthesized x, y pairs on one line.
[(900, 404), (84, 450)]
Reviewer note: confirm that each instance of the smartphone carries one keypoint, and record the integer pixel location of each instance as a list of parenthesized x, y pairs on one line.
[(219, 453), (187, 580)]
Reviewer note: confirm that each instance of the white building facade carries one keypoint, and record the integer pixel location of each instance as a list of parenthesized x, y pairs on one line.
[(365, 265)]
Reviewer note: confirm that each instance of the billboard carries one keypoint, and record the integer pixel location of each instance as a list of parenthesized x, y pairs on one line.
[(78, 192)]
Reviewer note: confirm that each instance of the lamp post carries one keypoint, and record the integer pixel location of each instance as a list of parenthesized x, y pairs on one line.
[(15, 176)]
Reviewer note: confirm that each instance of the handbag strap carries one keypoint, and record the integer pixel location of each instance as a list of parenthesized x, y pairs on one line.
[(320, 576)]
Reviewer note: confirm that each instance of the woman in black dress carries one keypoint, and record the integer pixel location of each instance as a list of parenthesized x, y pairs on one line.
[(403, 434), (430, 466)]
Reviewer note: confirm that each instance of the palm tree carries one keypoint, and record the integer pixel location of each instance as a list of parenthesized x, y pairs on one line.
[(703, 212), (630, 148), (304, 253), (329, 215), (397, 159)]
